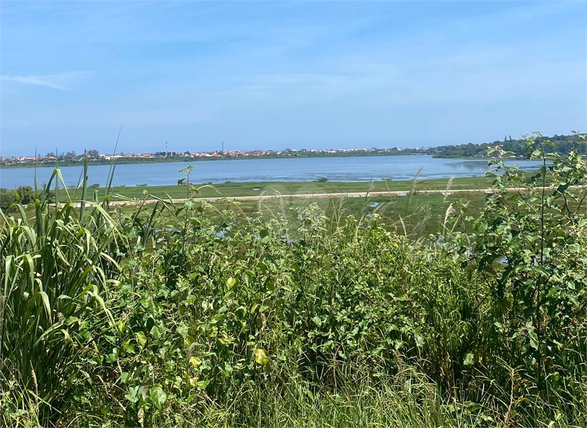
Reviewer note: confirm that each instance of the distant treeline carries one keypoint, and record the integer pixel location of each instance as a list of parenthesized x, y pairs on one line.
[(563, 144)]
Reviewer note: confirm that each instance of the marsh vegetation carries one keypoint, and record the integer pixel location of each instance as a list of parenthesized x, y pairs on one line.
[(305, 313)]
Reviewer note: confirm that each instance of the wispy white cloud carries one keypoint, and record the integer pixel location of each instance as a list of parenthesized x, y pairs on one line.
[(61, 81)]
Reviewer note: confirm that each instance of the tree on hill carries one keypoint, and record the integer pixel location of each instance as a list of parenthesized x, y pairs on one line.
[(563, 144)]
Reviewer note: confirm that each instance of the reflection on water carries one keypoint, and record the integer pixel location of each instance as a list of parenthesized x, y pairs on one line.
[(473, 165), (479, 164)]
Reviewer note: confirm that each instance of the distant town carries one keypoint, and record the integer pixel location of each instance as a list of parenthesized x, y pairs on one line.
[(516, 149), (170, 156)]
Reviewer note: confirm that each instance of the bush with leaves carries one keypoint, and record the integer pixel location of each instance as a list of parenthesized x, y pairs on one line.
[(530, 245), (7, 198)]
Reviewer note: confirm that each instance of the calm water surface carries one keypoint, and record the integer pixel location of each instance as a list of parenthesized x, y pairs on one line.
[(258, 170)]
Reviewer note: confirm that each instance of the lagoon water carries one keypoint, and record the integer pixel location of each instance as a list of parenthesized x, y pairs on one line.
[(260, 170)]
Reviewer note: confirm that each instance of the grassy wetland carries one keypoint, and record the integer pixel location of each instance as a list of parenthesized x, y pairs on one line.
[(458, 309)]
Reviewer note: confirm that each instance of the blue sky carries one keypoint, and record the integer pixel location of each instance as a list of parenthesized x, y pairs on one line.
[(300, 74)]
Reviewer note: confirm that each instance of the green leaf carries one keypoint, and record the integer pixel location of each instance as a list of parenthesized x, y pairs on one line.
[(158, 396), (113, 356), (227, 370), (46, 304), (202, 384), (124, 377), (157, 331), (533, 339), (317, 320), (133, 394), (183, 330), (141, 338), (230, 282), (261, 356)]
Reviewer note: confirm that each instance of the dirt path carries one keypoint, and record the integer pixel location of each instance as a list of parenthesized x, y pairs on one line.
[(306, 196), (261, 197)]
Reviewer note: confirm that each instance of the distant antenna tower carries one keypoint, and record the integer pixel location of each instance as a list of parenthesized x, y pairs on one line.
[(166, 149), (223, 147)]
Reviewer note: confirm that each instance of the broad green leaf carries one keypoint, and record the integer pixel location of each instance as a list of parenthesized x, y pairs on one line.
[(317, 320), (202, 384), (158, 396), (261, 356), (141, 338), (230, 282), (133, 394)]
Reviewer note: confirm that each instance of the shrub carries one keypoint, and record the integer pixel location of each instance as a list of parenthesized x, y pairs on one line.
[(536, 224), (7, 198)]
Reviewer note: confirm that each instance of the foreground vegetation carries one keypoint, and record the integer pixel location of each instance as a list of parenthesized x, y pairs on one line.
[(299, 316)]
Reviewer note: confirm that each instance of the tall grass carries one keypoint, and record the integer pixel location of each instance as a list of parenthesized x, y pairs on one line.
[(56, 264)]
